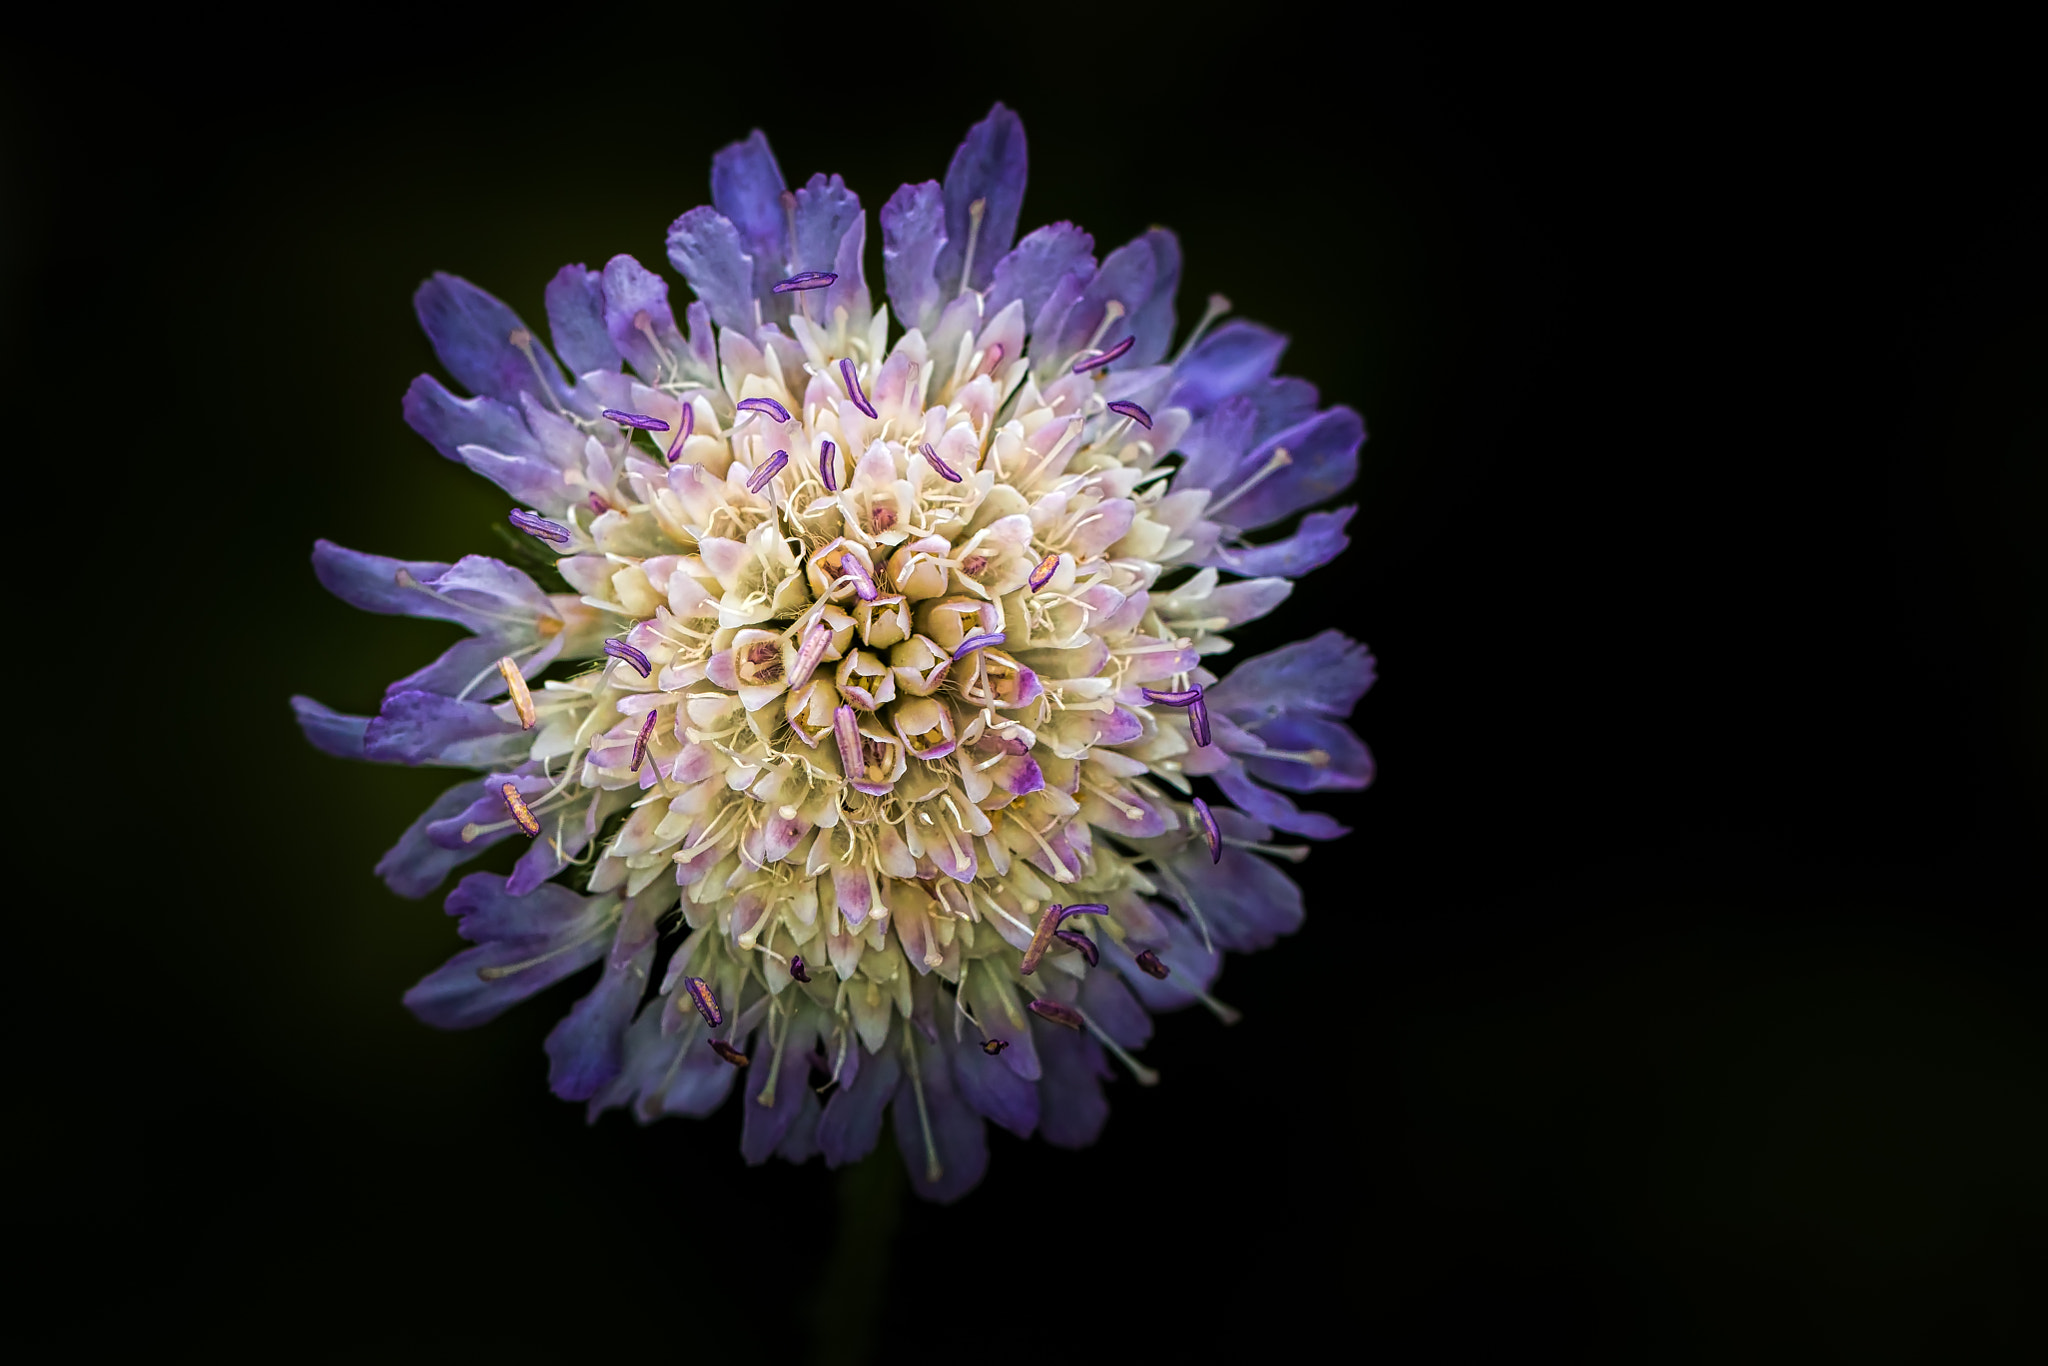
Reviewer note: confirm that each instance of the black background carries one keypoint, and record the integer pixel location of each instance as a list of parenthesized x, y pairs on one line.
[(1677, 998)]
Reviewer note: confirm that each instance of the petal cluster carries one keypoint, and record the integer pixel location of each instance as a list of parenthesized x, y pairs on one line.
[(866, 758)]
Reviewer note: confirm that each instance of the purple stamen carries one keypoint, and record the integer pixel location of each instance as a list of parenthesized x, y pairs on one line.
[(598, 505), (728, 1052), (706, 1003), (1047, 567), (813, 650), (1078, 940), (1097, 362), (675, 447), (1057, 1013), (764, 405), (1041, 938), (853, 389), (640, 744), (533, 524), (976, 642), (516, 804), (1123, 407), (825, 471), (1085, 908), (863, 584), (1198, 720), (806, 279), (994, 1046), (1209, 831), (1149, 961), (846, 730), (639, 420), (619, 649), (1186, 697), (797, 968), (946, 472), (758, 480)]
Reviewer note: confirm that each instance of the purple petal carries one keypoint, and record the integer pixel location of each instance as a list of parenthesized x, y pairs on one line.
[(417, 864), (575, 302), (633, 293), (427, 728), (1071, 1107), (763, 1127), (587, 1048), (1125, 277), (371, 583), (330, 731), (852, 1121), (1349, 766), (831, 231), (747, 187), (1228, 361), (553, 925), (1274, 809), (1112, 1008), (1037, 266), (989, 166), (705, 246), (1152, 324), (1326, 673), (1323, 456), (448, 422), (991, 1089), (1319, 539), (957, 1134), (472, 334), (1247, 902), (913, 233)]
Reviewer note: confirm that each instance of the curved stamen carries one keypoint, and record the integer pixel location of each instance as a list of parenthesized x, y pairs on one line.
[(728, 1052), (1198, 720), (815, 642), (1041, 938), (1149, 962), (976, 642), (825, 471), (853, 389), (806, 279), (1185, 697), (946, 472), (619, 649), (759, 479), (1047, 567), (640, 742), (706, 1003), (516, 804), (1207, 820), (1097, 362), (689, 425), (533, 524), (797, 969), (639, 421), (863, 582), (1125, 408), (1078, 940), (764, 405), (1057, 1013)]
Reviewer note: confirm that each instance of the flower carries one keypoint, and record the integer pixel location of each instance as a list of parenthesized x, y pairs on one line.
[(875, 760)]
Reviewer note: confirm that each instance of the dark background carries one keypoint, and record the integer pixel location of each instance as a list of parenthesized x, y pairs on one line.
[(1677, 998)]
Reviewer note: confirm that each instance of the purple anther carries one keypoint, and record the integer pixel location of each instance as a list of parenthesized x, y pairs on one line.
[(1198, 720), (706, 1003), (598, 505), (1149, 962), (1085, 908), (863, 582), (516, 804), (853, 389), (1123, 407), (1207, 820), (797, 968), (1057, 1013), (946, 472), (1186, 697), (1047, 567), (758, 480), (640, 743), (764, 405), (619, 649), (977, 642), (1078, 940), (1097, 362), (825, 452), (638, 420), (994, 1046), (816, 640), (806, 279), (533, 524), (728, 1052), (846, 730), (675, 447)]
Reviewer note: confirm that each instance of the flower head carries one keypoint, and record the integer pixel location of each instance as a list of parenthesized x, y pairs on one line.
[(891, 692)]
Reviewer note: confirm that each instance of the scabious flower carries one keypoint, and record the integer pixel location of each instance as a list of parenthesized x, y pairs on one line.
[(875, 755)]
